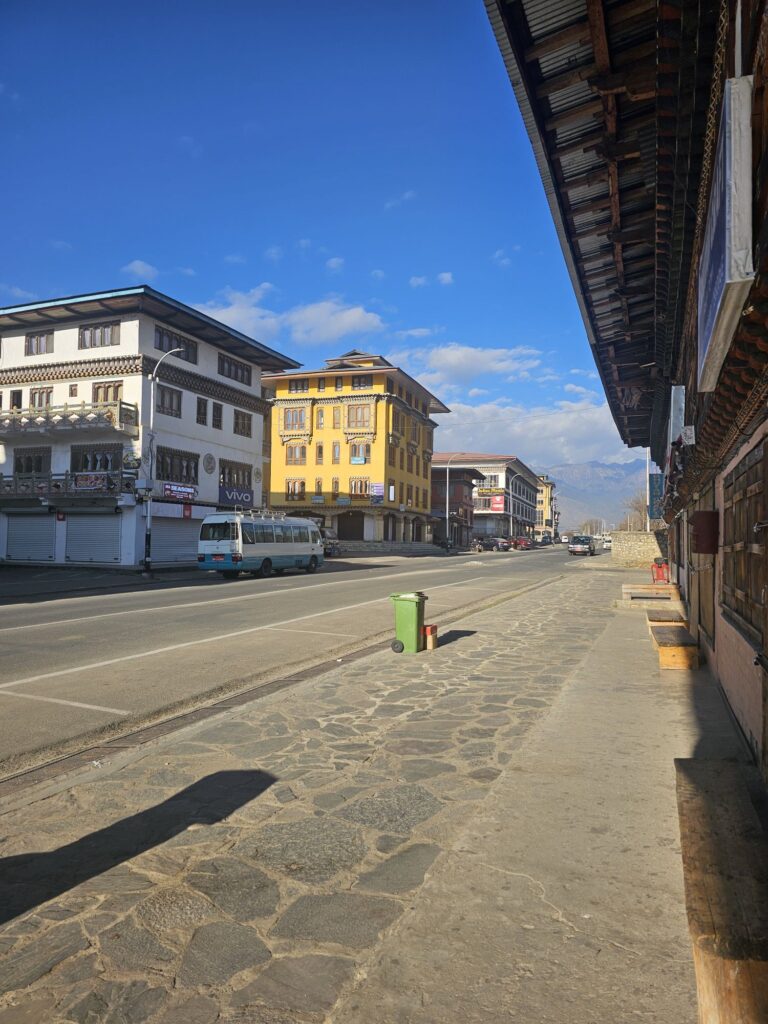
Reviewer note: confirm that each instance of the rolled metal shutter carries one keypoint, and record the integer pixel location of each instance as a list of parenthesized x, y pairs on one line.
[(31, 538), (175, 540), (93, 538)]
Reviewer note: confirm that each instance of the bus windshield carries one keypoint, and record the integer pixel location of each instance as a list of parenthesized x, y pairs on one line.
[(218, 531)]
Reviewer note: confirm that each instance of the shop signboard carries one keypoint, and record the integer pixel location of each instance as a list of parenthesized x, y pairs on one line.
[(725, 268), (318, 499), (377, 494), (343, 501), (234, 496), (184, 491), (655, 492), (91, 481), (497, 503)]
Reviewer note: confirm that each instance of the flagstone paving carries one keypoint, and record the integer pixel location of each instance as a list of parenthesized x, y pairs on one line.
[(341, 795)]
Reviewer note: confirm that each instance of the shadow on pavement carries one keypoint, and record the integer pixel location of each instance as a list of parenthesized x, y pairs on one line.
[(453, 635), (28, 880)]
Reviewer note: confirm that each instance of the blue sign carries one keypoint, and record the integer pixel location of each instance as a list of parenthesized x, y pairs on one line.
[(656, 493), (235, 496)]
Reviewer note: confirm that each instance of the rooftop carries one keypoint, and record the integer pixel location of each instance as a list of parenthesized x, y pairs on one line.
[(141, 299)]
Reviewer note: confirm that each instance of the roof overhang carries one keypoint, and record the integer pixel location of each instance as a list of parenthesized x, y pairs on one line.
[(142, 299)]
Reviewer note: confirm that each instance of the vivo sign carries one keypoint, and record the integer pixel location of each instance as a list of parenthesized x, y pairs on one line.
[(235, 496), (725, 268)]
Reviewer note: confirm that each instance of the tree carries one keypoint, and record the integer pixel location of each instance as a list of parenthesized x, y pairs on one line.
[(637, 512)]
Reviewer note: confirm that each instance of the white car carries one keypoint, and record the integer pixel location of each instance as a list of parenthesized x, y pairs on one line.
[(564, 538)]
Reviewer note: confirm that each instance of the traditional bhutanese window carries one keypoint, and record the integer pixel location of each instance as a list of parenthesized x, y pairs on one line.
[(743, 574)]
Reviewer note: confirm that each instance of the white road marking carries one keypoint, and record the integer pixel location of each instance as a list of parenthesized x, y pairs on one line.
[(215, 600), (69, 703), (311, 632), (205, 640)]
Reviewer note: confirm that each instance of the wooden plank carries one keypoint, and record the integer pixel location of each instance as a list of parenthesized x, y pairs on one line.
[(672, 636), (576, 33), (725, 871)]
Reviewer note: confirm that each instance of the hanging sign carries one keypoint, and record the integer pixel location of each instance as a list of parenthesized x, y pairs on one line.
[(725, 268)]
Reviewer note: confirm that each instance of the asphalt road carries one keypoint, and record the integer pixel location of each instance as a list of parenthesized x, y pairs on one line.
[(72, 666)]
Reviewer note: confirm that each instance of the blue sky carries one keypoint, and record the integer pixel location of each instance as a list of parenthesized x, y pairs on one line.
[(322, 176)]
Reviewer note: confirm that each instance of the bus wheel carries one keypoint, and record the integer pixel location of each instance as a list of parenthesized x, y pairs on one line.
[(266, 568), (231, 574), (312, 564)]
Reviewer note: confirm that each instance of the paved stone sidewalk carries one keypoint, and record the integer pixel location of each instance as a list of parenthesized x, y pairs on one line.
[(250, 870)]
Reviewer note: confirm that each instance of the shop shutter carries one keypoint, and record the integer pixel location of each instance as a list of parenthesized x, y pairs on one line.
[(93, 538), (31, 538), (175, 540)]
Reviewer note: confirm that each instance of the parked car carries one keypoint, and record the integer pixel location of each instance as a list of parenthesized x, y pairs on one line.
[(607, 541), (546, 540), (522, 543), (564, 538), (581, 545), (500, 544), (331, 547)]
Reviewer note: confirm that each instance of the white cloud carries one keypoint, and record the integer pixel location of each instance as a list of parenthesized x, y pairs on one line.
[(244, 312), (415, 332), (314, 323), (17, 293), (406, 197), (60, 245), (590, 374), (234, 257), (186, 271), (417, 282), (547, 378), (304, 244), (274, 254), (378, 275), (501, 259), (329, 320), (335, 264), (445, 278), (477, 392), (140, 270), (541, 436), (577, 389)]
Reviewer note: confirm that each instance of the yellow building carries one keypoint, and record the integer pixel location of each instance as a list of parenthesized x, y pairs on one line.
[(546, 507), (351, 446)]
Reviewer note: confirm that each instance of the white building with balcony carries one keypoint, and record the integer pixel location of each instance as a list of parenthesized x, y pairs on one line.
[(505, 499), (74, 426)]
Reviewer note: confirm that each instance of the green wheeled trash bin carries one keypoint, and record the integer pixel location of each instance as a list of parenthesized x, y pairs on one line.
[(409, 622)]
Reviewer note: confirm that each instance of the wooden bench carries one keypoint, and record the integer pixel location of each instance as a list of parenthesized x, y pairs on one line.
[(677, 648), (725, 869), (666, 617)]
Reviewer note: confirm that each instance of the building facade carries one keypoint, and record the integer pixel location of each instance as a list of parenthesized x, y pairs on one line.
[(650, 132), (547, 514), (75, 454), (459, 511), (352, 447), (505, 499)]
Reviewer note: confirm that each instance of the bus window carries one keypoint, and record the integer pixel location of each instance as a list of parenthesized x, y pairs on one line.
[(218, 531), (264, 533), (315, 537), (280, 530), (248, 533), (303, 534)]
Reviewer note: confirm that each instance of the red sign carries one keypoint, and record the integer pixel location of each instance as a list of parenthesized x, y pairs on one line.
[(186, 512), (497, 503), (61, 517)]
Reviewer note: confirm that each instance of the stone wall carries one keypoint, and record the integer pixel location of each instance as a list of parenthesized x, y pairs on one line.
[(384, 547), (633, 548)]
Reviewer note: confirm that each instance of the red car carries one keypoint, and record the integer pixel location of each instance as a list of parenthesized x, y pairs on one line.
[(523, 543)]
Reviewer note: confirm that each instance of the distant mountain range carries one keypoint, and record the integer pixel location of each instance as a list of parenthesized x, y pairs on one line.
[(595, 490)]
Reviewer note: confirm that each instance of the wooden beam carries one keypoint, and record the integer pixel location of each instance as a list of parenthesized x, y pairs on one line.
[(566, 80), (581, 113)]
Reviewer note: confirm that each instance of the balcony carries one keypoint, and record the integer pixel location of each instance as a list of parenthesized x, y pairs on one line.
[(119, 416), (57, 485)]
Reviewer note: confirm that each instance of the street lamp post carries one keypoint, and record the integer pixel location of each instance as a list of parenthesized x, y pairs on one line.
[(448, 502), (151, 467)]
